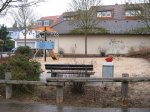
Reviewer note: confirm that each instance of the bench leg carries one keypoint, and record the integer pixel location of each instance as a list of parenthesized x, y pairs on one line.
[(53, 74)]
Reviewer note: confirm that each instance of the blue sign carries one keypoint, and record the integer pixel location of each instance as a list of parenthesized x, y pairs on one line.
[(45, 45)]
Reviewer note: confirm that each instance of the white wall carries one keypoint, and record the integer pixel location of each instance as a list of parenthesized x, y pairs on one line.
[(117, 44), (113, 44), (30, 43)]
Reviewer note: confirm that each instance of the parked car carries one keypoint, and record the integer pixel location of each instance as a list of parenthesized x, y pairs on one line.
[(13, 50)]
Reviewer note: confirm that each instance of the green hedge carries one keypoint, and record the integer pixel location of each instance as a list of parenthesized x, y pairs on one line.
[(21, 68), (24, 50)]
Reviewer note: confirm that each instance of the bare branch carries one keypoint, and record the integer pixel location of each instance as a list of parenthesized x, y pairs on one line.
[(84, 16), (23, 17), (7, 4)]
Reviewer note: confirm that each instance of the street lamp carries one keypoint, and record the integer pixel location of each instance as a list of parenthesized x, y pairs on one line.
[(45, 41), (43, 34)]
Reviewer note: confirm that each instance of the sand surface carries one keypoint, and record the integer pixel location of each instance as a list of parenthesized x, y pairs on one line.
[(135, 67)]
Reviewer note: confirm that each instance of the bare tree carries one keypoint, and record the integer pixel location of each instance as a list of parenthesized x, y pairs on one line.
[(7, 4), (24, 17), (85, 16), (143, 10)]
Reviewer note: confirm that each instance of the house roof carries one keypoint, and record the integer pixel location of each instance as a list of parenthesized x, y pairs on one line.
[(27, 39), (48, 28), (69, 14), (118, 24), (43, 28), (54, 18), (14, 29)]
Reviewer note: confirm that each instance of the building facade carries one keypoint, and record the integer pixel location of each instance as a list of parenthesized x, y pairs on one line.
[(120, 22)]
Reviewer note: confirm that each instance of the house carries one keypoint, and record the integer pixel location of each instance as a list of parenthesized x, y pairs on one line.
[(47, 21), (120, 23), (33, 34), (17, 35)]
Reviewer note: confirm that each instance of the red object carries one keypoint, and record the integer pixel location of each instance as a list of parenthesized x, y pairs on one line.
[(109, 59)]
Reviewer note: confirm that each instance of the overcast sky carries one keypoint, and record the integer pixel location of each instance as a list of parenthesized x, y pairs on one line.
[(55, 7)]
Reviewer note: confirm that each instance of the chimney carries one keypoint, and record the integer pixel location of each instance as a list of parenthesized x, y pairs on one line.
[(126, 2)]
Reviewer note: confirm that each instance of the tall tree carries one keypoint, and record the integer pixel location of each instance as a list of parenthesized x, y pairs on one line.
[(144, 10), (84, 17), (24, 16), (4, 36), (7, 4)]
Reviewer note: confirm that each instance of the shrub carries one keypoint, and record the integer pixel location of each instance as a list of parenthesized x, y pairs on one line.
[(3, 66), (78, 88), (21, 69), (102, 51), (24, 50), (92, 31), (61, 51), (143, 52)]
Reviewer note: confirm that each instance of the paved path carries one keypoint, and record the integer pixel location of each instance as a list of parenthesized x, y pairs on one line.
[(28, 107)]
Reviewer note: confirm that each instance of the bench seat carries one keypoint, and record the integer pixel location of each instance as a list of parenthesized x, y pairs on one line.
[(79, 69)]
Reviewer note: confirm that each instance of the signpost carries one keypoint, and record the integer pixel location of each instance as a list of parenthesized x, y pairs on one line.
[(45, 45)]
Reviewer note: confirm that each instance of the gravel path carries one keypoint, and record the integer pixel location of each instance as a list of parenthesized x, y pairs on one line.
[(133, 66)]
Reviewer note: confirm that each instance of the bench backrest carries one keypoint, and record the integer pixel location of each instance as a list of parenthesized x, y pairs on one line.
[(68, 67)]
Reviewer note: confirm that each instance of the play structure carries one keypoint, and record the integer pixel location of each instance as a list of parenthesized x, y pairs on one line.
[(53, 55)]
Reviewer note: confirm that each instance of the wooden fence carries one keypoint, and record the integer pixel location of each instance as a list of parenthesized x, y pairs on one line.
[(60, 83)]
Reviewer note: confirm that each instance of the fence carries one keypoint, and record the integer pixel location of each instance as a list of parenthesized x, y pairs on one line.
[(60, 83)]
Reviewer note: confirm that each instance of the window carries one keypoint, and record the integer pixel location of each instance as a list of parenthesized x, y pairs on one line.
[(104, 14), (132, 13), (46, 23), (68, 18), (39, 23)]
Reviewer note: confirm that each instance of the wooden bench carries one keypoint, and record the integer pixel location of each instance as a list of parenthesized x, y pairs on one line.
[(69, 70)]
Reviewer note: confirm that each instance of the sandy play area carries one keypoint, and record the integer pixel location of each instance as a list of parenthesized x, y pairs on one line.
[(105, 95), (132, 66)]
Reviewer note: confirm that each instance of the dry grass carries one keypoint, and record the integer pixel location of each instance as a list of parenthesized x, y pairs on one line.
[(143, 52), (95, 96)]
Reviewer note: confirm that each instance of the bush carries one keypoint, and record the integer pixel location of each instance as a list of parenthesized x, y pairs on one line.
[(143, 52), (78, 88), (3, 66), (61, 51), (102, 51), (21, 69), (24, 50)]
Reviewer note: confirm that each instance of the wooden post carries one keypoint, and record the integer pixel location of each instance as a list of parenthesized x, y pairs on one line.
[(60, 108), (124, 90), (124, 109), (8, 86), (9, 54), (59, 93)]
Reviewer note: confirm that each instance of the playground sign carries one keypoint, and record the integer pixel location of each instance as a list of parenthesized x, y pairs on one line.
[(45, 45)]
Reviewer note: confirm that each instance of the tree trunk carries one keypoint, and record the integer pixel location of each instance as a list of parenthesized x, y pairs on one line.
[(25, 36), (86, 44)]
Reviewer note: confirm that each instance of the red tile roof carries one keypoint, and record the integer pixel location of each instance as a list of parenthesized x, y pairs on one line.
[(42, 28), (54, 18)]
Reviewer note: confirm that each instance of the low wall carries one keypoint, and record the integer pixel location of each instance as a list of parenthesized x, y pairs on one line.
[(111, 44)]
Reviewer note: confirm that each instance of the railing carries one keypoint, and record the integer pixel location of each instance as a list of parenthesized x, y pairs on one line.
[(60, 83)]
